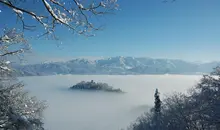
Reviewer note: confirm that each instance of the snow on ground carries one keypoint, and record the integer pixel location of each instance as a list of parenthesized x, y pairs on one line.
[(74, 110)]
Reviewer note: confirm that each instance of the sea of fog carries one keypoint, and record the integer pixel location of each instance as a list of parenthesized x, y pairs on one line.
[(76, 110)]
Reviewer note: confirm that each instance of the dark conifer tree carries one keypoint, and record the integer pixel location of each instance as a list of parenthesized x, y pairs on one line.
[(157, 110)]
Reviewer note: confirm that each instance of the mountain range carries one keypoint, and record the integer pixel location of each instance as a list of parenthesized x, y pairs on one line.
[(117, 66)]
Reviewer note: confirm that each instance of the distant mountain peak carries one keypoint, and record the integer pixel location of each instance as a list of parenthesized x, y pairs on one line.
[(117, 65)]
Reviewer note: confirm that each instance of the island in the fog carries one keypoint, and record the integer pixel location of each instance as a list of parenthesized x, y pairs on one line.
[(93, 86)]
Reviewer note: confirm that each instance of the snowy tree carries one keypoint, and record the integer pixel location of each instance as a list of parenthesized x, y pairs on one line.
[(196, 110), (12, 44), (152, 119), (77, 16), (206, 100), (18, 111)]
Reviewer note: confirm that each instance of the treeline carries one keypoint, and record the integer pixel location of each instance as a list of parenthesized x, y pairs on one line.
[(199, 109)]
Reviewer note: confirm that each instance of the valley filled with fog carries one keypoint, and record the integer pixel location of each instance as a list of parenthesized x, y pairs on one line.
[(79, 110)]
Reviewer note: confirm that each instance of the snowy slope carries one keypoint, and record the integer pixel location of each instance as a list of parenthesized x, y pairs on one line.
[(117, 65)]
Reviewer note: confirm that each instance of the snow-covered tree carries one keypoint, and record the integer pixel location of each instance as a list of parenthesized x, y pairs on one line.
[(12, 44), (206, 98), (196, 110), (77, 16), (18, 111), (150, 120)]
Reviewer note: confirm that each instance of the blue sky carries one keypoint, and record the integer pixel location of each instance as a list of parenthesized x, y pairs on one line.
[(185, 29)]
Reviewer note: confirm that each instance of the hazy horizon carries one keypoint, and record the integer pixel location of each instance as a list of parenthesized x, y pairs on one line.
[(35, 58)]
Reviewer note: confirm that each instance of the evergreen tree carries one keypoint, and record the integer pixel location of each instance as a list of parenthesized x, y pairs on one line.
[(157, 110), (196, 110)]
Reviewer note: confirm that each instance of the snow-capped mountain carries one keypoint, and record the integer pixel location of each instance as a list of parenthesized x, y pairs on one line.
[(117, 65)]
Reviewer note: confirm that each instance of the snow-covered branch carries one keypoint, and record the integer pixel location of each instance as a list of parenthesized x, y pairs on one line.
[(17, 110), (75, 15), (12, 43)]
